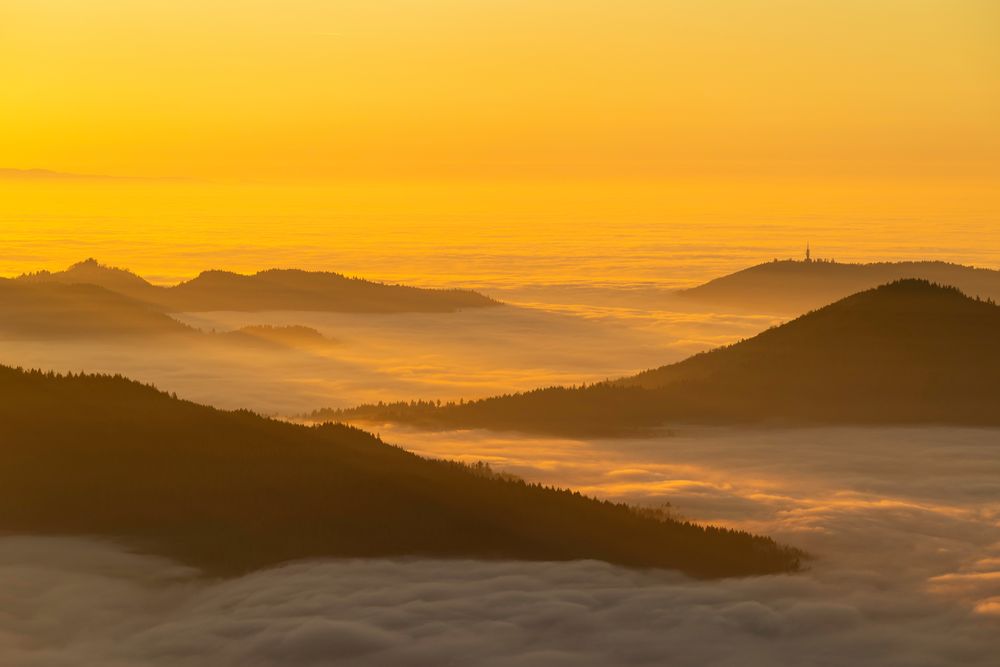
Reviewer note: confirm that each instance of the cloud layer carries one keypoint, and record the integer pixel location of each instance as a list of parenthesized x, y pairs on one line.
[(904, 524), (76, 603), (397, 357)]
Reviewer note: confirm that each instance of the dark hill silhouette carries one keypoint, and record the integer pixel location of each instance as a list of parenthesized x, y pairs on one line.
[(233, 491), (274, 289), (905, 353), (41, 311), (796, 286), (91, 272), (290, 289)]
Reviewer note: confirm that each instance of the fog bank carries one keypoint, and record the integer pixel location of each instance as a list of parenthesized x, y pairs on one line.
[(469, 354), (81, 604), (904, 525)]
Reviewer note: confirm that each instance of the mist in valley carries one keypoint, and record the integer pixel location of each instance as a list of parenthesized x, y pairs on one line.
[(372, 357), (903, 525), (499, 334)]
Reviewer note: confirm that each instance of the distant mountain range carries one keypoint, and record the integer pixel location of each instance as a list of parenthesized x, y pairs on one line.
[(798, 286), (231, 491), (909, 352), (274, 289)]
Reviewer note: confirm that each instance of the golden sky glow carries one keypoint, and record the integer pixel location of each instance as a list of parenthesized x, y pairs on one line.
[(397, 138), (460, 88)]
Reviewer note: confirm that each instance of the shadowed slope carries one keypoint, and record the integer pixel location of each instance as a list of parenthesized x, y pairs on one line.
[(275, 289), (795, 287), (907, 352), (232, 491)]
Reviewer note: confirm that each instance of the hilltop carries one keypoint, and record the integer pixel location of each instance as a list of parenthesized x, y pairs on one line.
[(92, 272), (232, 491), (909, 352), (798, 286), (273, 289)]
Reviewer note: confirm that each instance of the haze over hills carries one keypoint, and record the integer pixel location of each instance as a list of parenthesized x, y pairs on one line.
[(53, 311), (909, 352), (790, 286), (274, 289), (43, 311), (50, 311), (232, 491), (291, 336)]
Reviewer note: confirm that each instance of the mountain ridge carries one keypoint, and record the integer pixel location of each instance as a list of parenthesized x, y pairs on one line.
[(908, 352), (269, 289), (231, 492), (794, 286)]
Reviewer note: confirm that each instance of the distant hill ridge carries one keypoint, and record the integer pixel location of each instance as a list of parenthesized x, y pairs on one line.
[(909, 352), (797, 286), (50, 311), (232, 491), (47, 311), (272, 289)]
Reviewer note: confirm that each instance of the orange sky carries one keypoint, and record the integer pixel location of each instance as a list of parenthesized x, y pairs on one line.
[(528, 88), (496, 110)]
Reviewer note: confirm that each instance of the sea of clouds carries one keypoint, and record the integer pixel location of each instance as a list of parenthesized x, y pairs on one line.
[(469, 354), (78, 603), (903, 524)]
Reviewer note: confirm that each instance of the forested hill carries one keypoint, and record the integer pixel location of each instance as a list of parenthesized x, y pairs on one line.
[(794, 287), (274, 289), (905, 353), (232, 491)]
